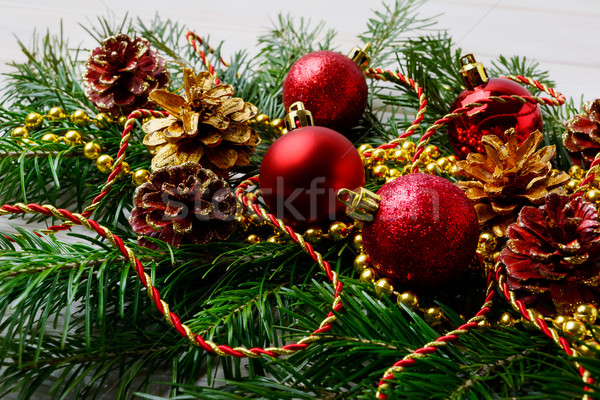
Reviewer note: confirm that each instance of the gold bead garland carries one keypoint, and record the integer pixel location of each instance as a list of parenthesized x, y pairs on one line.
[(72, 137)]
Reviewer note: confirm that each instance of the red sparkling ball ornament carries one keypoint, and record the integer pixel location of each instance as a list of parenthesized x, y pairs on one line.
[(424, 233), (465, 132), (330, 85), (302, 172)]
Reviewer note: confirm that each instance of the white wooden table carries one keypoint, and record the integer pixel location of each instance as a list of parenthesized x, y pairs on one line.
[(562, 36)]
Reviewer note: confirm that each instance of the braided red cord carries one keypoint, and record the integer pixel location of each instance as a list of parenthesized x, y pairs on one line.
[(154, 293), (195, 41), (397, 77)]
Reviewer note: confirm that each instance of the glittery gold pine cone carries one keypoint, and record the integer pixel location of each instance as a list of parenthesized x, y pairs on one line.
[(508, 177), (206, 126)]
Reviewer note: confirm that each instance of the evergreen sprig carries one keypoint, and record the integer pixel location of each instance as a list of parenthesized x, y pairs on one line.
[(77, 323)]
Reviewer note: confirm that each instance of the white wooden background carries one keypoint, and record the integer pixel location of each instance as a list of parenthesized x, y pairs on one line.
[(563, 36)]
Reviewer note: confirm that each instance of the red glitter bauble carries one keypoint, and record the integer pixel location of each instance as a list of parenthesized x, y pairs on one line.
[(424, 233), (302, 172), (465, 132), (331, 86)]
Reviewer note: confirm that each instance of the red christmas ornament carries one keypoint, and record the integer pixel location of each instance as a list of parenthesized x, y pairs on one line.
[(302, 172), (331, 85), (424, 233), (465, 132)]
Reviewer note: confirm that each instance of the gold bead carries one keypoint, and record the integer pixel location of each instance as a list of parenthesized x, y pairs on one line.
[(592, 195), (357, 242), (140, 177), (72, 137), (125, 169), (453, 159), (122, 119), (364, 147), (102, 120), (444, 163), (574, 328), (432, 151), (273, 239), (92, 150), (381, 172), (80, 118), (409, 299), (313, 234), (34, 120), (338, 231), (586, 313), (406, 169), (559, 321), (576, 172), (433, 315), (433, 169), (262, 118), (56, 114), (506, 319), (379, 156), (487, 242), (284, 131), (277, 123), (395, 173), (453, 170), (573, 185), (50, 137), (589, 348), (384, 286), (361, 262), (20, 132), (252, 239), (367, 275), (104, 163), (400, 156), (409, 146), (425, 158)]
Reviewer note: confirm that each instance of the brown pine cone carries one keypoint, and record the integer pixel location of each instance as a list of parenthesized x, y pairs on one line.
[(121, 74), (183, 204), (582, 137), (554, 250), (206, 126), (507, 177)]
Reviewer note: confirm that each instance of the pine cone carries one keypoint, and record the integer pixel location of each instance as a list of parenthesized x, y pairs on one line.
[(121, 73), (555, 250), (207, 126), (582, 138), (507, 177), (183, 204)]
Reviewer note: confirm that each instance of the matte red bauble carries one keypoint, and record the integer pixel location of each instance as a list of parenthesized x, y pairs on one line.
[(424, 233), (330, 85), (465, 132), (302, 172)]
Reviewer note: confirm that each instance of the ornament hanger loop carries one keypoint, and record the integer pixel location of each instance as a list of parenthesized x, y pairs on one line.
[(361, 204), (360, 56), (298, 117)]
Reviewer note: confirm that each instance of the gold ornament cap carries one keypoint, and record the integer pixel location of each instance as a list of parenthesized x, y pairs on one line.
[(360, 56), (361, 204), (298, 117), (473, 72)]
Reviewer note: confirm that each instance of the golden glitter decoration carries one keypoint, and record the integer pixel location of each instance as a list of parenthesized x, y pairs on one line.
[(206, 126)]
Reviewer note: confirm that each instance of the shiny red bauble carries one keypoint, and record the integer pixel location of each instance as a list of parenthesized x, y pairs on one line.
[(465, 132), (424, 233), (330, 85), (302, 172)]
